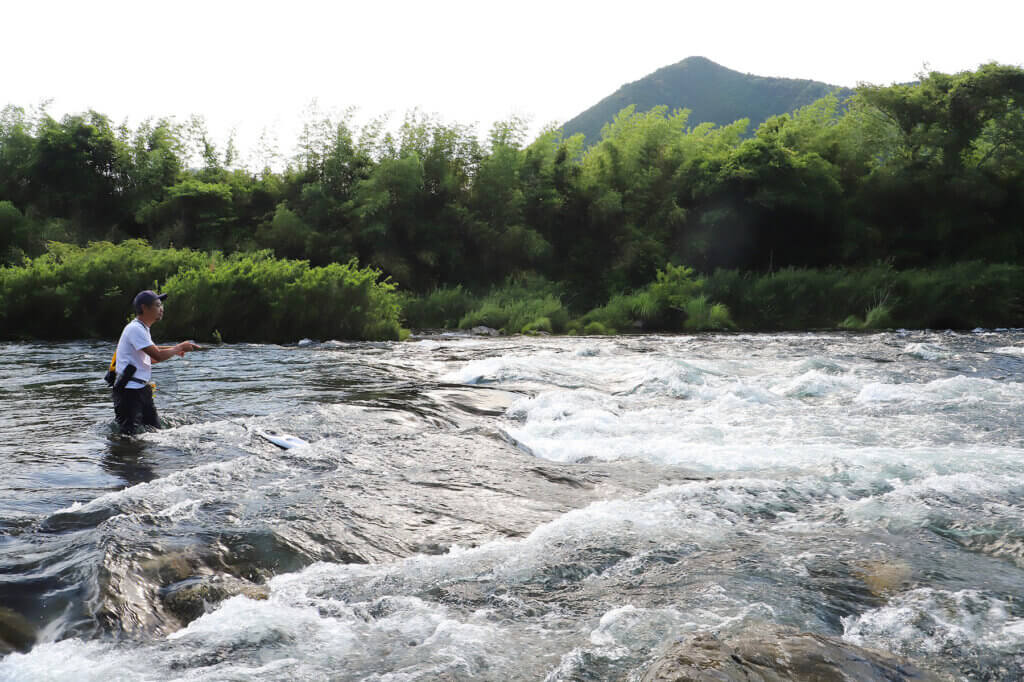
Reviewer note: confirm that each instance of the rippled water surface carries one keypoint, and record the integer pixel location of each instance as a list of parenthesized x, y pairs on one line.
[(520, 508)]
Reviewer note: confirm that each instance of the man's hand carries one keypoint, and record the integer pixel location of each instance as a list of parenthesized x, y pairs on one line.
[(185, 347)]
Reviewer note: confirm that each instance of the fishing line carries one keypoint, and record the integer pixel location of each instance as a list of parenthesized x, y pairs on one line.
[(165, 391), (167, 387)]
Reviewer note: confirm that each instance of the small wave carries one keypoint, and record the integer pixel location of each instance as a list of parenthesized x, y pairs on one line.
[(509, 369), (632, 627), (821, 364), (70, 659), (955, 389), (815, 383), (936, 498), (968, 625), (926, 351), (74, 507), (588, 351), (678, 380)]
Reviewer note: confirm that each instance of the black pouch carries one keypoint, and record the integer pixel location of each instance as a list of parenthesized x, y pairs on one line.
[(125, 377)]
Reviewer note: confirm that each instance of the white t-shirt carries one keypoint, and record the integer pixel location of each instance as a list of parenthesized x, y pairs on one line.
[(134, 338)]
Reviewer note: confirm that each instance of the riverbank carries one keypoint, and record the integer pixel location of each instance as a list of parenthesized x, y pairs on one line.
[(84, 292)]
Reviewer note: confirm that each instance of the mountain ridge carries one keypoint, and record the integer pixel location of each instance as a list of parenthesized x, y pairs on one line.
[(712, 92)]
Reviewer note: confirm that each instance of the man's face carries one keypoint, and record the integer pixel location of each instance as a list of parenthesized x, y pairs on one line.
[(155, 310)]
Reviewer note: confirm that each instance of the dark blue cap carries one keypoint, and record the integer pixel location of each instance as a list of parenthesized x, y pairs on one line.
[(146, 298)]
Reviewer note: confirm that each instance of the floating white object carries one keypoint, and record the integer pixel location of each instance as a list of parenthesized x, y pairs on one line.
[(285, 441)]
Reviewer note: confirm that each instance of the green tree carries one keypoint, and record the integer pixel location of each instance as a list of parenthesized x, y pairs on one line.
[(943, 199), (17, 236), (80, 171), (193, 213), (286, 234)]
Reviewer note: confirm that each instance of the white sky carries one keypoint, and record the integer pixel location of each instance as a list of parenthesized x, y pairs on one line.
[(253, 65)]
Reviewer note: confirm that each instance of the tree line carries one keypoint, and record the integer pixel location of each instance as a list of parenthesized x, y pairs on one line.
[(924, 175)]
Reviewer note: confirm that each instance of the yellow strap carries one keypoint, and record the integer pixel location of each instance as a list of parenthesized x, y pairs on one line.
[(113, 362)]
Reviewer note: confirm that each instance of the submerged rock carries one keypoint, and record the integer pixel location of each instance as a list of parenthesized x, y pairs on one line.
[(778, 655), (484, 331), (162, 593), (884, 577), (16, 633), (190, 599)]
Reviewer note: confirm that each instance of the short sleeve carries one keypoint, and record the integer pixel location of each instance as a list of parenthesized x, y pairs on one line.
[(139, 338)]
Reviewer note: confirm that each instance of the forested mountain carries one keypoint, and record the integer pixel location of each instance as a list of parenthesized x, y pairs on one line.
[(710, 91)]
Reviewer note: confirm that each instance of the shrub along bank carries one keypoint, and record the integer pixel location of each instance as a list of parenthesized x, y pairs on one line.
[(85, 292), (959, 296)]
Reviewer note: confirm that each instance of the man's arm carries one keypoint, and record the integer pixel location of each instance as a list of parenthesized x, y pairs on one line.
[(161, 353)]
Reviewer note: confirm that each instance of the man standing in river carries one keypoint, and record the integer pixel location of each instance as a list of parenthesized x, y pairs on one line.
[(136, 353)]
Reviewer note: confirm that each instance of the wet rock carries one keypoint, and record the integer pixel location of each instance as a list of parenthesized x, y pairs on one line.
[(161, 593), (191, 598), (778, 655), (129, 588), (884, 577), (170, 568), (484, 331), (16, 633)]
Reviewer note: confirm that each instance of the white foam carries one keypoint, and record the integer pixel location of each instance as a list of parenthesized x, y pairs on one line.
[(74, 507), (590, 350), (934, 496), (725, 412), (930, 621), (71, 659), (730, 424), (816, 383), (959, 389), (488, 370), (630, 627), (182, 509), (926, 351)]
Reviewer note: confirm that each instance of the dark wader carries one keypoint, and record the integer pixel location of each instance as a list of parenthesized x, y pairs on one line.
[(134, 406)]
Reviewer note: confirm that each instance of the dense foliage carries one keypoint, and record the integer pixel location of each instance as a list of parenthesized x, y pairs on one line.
[(73, 292), (916, 177), (960, 296)]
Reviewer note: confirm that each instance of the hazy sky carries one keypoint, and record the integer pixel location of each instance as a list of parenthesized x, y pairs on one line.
[(250, 65)]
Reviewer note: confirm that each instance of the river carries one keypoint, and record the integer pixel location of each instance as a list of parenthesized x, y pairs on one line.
[(514, 508)]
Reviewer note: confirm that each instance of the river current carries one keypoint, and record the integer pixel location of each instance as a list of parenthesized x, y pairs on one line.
[(513, 508)]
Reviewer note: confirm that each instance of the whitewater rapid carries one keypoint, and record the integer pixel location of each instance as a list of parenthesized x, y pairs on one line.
[(537, 508)]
